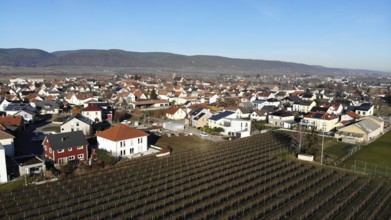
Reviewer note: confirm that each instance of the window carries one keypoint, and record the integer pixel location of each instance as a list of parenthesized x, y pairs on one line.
[(131, 150), (50, 150), (61, 151), (140, 140), (80, 147), (69, 149), (124, 143), (120, 144), (45, 147), (80, 156), (62, 129), (77, 124), (71, 158)]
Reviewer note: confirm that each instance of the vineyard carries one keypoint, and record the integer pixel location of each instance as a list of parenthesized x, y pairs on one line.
[(228, 180)]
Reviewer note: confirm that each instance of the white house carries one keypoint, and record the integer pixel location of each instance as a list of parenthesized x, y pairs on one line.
[(231, 124), (3, 166), (7, 141), (281, 119), (123, 140), (318, 120), (175, 113), (93, 112), (4, 103), (259, 104), (28, 116), (258, 115), (303, 106), (77, 123)]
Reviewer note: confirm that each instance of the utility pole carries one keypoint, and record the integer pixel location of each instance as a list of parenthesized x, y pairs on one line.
[(323, 128)]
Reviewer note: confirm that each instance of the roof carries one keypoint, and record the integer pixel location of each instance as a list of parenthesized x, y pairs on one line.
[(66, 140), (121, 132), (221, 115), (364, 107), (172, 110), (282, 113), (321, 115), (91, 108), (367, 125), (353, 115), (11, 120), (80, 118), (5, 135)]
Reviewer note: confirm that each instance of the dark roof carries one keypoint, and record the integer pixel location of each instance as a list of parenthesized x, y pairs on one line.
[(81, 118), (282, 113), (67, 140), (221, 115), (293, 98), (364, 107), (48, 105), (196, 111), (199, 116), (269, 108), (304, 102), (307, 95), (318, 109)]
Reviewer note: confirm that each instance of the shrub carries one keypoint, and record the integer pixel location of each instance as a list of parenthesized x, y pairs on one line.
[(105, 156)]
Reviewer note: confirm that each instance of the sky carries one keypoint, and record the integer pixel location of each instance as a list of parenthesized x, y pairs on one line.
[(333, 33)]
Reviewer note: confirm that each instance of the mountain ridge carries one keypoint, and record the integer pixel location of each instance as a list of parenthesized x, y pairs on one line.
[(20, 57)]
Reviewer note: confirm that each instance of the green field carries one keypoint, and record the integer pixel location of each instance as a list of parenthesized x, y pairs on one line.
[(335, 150), (181, 143), (378, 152)]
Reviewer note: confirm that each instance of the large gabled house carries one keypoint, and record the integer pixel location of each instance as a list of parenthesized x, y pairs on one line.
[(320, 121), (198, 117), (231, 124), (93, 112), (77, 123), (47, 107), (123, 140), (362, 131), (175, 113), (282, 119), (303, 106), (365, 109), (67, 147)]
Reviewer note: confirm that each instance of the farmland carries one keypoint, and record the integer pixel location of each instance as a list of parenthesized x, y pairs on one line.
[(229, 180)]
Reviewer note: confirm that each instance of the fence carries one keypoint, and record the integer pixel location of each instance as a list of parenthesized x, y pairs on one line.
[(367, 168)]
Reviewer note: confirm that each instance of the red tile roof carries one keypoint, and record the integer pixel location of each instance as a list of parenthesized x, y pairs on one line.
[(5, 135), (172, 110), (92, 108), (11, 120), (121, 132)]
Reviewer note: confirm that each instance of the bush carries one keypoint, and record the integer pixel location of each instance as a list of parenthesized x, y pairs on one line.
[(207, 129), (105, 156)]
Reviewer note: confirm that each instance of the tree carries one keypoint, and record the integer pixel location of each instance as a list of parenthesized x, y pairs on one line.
[(153, 94)]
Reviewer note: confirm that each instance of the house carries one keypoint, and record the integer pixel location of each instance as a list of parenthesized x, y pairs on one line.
[(259, 115), (308, 96), (93, 112), (175, 113), (240, 112), (13, 108), (303, 106), (7, 141), (47, 107), (29, 164), (334, 108), (3, 104), (77, 123), (67, 147), (362, 131), (282, 119), (123, 140), (28, 116), (258, 104), (198, 117), (150, 104), (231, 124), (320, 121), (365, 109), (13, 123)]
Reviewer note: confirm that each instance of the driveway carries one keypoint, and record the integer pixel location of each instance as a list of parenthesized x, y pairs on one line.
[(24, 144)]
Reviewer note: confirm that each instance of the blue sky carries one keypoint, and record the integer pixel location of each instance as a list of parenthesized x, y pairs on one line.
[(333, 33)]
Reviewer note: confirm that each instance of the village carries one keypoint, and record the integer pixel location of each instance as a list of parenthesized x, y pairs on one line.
[(64, 124)]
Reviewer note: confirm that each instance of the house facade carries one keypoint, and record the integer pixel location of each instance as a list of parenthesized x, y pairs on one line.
[(362, 131), (67, 147), (320, 120), (7, 141), (123, 140), (280, 118), (303, 106), (175, 113), (93, 112), (77, 123)]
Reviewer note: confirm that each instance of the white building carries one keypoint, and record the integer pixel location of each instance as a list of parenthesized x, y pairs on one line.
[(93, 112), (77, 123), (7, 141), (3, 166), (175, 113), (123, 140), (231, 124)]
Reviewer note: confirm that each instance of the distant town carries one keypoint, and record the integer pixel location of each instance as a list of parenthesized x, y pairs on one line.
[(69, 127)]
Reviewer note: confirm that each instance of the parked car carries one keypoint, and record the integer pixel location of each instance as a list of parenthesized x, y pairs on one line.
[(204, 134)]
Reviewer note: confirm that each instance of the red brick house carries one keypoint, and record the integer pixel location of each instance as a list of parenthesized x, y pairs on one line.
[(66, 147)]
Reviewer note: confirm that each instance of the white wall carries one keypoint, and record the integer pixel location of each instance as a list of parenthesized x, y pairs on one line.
[(3, 166), (115, 147), (67, 127), (93, 115), (8, 145)]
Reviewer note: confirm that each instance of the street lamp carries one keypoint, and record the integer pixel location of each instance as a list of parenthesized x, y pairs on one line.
[(321, 156)]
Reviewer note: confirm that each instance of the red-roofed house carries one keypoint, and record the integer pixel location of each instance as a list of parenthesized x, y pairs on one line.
[(123, 140), (175, 113), (93, 112)]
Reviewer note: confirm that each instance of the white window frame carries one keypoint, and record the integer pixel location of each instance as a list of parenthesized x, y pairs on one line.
[(60, 151), (80, 156), (71, 158)]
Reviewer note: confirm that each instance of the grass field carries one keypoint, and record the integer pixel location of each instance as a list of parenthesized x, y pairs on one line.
[(335, 150), (181, 143), (12, 185), (377, 152)]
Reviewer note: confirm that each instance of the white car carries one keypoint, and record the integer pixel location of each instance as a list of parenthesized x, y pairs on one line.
[(204, 134)]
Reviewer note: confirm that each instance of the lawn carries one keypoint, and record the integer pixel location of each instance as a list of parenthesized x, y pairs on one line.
[(181, 143), (12, 185), (335, 150), (377, 152)]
